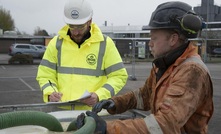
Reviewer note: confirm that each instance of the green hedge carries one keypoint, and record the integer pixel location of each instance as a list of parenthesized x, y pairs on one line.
[(21, 59)]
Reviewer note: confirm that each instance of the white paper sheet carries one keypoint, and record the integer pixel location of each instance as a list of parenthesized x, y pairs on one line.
[(85, 95)]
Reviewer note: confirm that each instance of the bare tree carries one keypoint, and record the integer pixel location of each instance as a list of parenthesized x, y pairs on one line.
[(40, 32)]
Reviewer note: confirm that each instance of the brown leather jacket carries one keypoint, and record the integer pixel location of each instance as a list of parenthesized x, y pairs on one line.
[(180, 102)]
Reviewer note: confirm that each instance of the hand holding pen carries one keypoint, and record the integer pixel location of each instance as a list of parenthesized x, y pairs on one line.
[(51, 85), (55, 96)]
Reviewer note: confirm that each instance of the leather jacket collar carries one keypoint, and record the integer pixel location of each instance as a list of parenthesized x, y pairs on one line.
[(165, 61)]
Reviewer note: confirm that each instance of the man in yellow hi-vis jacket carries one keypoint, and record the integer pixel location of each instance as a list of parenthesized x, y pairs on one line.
[(80, 58)]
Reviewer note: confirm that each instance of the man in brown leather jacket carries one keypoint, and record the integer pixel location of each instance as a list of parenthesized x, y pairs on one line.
[(178, 91)]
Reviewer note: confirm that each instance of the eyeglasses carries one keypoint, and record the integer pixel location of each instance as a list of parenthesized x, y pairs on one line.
[(77, 27)]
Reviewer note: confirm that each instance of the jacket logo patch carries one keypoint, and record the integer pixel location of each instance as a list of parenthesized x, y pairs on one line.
[(91, 59)]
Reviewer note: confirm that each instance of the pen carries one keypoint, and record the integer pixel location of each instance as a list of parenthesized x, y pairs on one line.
[(51, 85)]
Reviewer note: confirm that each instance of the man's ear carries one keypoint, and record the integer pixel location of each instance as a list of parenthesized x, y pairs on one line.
[(90, 21), (174, 39)]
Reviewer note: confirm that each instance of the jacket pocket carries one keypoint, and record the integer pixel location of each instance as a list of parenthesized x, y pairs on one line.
[(170, 99), (176, 92)]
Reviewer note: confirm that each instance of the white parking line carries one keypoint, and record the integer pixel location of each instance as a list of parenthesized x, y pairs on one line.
[(216, 78), (3, 67), (17, 77), (35, 67), (26, 84), (19, 91)]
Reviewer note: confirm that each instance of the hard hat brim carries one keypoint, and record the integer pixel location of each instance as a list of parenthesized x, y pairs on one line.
[(154, 28), (77, 21)]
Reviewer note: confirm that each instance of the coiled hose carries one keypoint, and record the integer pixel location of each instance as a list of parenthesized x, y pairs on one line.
[(19, 118), (88, 127)]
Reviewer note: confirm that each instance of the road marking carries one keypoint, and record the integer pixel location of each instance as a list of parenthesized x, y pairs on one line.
[(26, 84), (14, 91), (35, 67), (3, 67), (215, 78), (17, 77)]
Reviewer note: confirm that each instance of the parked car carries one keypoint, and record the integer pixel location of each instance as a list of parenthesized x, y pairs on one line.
[(42, 47), (217, 51), (18, 48)]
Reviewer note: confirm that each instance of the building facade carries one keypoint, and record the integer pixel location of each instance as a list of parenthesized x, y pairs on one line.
[(208, 11)]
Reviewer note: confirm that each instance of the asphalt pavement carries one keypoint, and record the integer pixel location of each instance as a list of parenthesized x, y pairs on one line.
[(18, 85)]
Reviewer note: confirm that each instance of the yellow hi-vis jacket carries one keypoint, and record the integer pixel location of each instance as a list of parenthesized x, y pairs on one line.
[(96, 66)]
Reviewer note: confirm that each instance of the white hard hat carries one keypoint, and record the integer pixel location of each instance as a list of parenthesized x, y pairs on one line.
[(77, 12)]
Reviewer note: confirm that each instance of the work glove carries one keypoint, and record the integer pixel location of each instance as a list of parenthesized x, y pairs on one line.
[(106, 104), (80, 120), (101, 125)]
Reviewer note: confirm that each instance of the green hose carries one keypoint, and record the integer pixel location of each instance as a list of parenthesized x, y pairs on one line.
[(19, 118), (88, 127)]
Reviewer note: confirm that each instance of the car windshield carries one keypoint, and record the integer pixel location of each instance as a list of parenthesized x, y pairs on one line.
[(40, 46), (34, 47)]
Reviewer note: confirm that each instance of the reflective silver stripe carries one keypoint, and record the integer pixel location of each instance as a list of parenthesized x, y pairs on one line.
[(139, 99), (110, 88), (48, 64), (45, 86), (114, 67), (152, 125), (58, 46), (197, 60), (81, 71), (101, 54)]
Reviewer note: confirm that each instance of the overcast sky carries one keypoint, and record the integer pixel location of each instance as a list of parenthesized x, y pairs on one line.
[(48, 14)]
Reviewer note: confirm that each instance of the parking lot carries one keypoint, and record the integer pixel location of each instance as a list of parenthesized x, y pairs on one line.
[(19, 86)]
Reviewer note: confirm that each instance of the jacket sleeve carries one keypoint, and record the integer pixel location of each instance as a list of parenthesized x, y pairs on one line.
[(115, 72), (129, 126), (136, 99), (47, 70)]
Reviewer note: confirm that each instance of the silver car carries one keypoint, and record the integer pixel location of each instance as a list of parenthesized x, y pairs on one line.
[(42, 47), (19, 48)]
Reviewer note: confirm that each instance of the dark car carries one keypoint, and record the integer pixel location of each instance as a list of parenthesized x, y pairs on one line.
[(217, 51)]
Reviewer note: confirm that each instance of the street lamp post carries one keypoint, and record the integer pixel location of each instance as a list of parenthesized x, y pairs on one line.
[(132, 76), (206, 40)]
